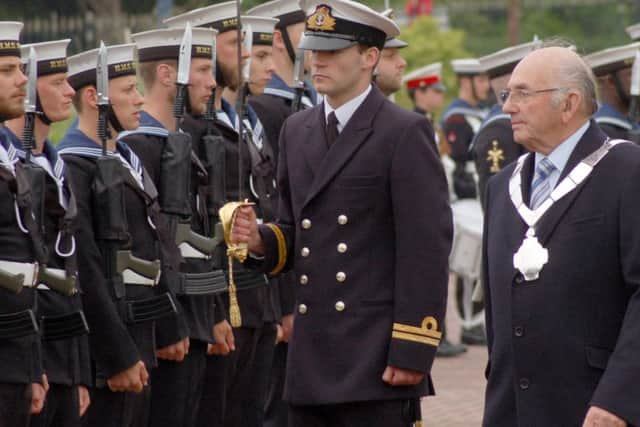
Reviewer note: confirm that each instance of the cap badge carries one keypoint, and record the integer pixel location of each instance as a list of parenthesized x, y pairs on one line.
[(322, 20)]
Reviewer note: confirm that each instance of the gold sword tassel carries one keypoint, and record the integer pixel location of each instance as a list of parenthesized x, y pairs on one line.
[(238, 251)]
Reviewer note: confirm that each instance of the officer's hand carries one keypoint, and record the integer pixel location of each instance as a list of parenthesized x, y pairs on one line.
[(132, 379), (279, 334), (175, 352), (396, 376), (38, 394), (287, 327), (245, 230), (83, 399), (223, 336), (597, 417)]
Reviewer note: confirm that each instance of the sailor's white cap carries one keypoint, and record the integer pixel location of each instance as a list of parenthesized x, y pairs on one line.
[(614, 58), (504, 61), (634, 31), (427, 76), (164, 43), (10, 38), (288, 12), (261, 27), (82, 67), (51, 56), (220, 16)]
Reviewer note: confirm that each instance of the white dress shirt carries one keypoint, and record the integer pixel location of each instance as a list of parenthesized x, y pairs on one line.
[(346, 110)]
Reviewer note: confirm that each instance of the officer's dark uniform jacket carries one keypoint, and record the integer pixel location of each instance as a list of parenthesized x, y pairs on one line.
[(366, 226), (613, 123), (117, 342), (253, 293), (493, 147), (569, 339), (65, 355), (20, 357), (273, 107), (148, 141)]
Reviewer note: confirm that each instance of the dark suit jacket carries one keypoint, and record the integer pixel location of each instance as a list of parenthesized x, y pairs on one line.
[(380, 190), (571, 338)]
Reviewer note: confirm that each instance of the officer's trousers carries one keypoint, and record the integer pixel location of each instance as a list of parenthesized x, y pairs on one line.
[(383, 413), (276, 409)]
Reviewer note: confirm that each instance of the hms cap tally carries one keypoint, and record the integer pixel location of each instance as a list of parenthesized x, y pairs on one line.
[(261, 28), (164, 44), (10, 38), (338, 24), (82, 67), (52, 56), (427, 76)]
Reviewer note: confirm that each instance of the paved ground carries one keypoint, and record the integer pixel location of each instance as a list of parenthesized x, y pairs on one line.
[(459, 383)]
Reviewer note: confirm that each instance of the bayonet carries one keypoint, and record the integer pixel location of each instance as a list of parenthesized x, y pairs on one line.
[(210, 114), (248, 44), (102, 88), (31, 68), (298, 81), (184, 65)]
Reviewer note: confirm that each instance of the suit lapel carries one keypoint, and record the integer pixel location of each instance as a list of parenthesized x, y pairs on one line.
[(590, 142), (315, 147), (349, 141)]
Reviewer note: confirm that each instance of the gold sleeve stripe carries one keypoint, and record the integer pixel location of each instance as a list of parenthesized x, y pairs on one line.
[(282, 249), (415, 338), (429, 328)]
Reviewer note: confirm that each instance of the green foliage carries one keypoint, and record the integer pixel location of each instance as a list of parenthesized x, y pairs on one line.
[(589, 27), (428, 44)]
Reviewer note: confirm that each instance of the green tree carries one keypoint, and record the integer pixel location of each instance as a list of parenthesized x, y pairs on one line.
[(428, 43)]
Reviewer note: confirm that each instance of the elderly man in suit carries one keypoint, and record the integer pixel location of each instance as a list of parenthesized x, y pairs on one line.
[(365, 224), (561, 250)]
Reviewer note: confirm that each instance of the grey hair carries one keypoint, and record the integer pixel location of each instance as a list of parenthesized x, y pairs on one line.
[(577, 75)]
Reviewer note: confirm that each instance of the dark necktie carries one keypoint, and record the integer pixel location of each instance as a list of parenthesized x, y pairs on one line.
[(332, 129)]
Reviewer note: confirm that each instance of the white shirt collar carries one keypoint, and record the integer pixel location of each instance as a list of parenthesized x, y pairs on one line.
[(346, 110)]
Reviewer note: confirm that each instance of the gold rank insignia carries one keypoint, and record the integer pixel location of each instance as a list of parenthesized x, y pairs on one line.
[(495, 156), (427, 333), (322, 20)]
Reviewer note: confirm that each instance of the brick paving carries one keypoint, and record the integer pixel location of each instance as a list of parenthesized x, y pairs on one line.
[(459, 383)]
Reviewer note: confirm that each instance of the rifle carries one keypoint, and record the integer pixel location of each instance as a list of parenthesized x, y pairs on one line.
[(298, 81), (634, 107), (35, 175), (175, 176)]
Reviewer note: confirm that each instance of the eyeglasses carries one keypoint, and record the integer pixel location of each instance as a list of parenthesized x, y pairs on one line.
[(522, 95)]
